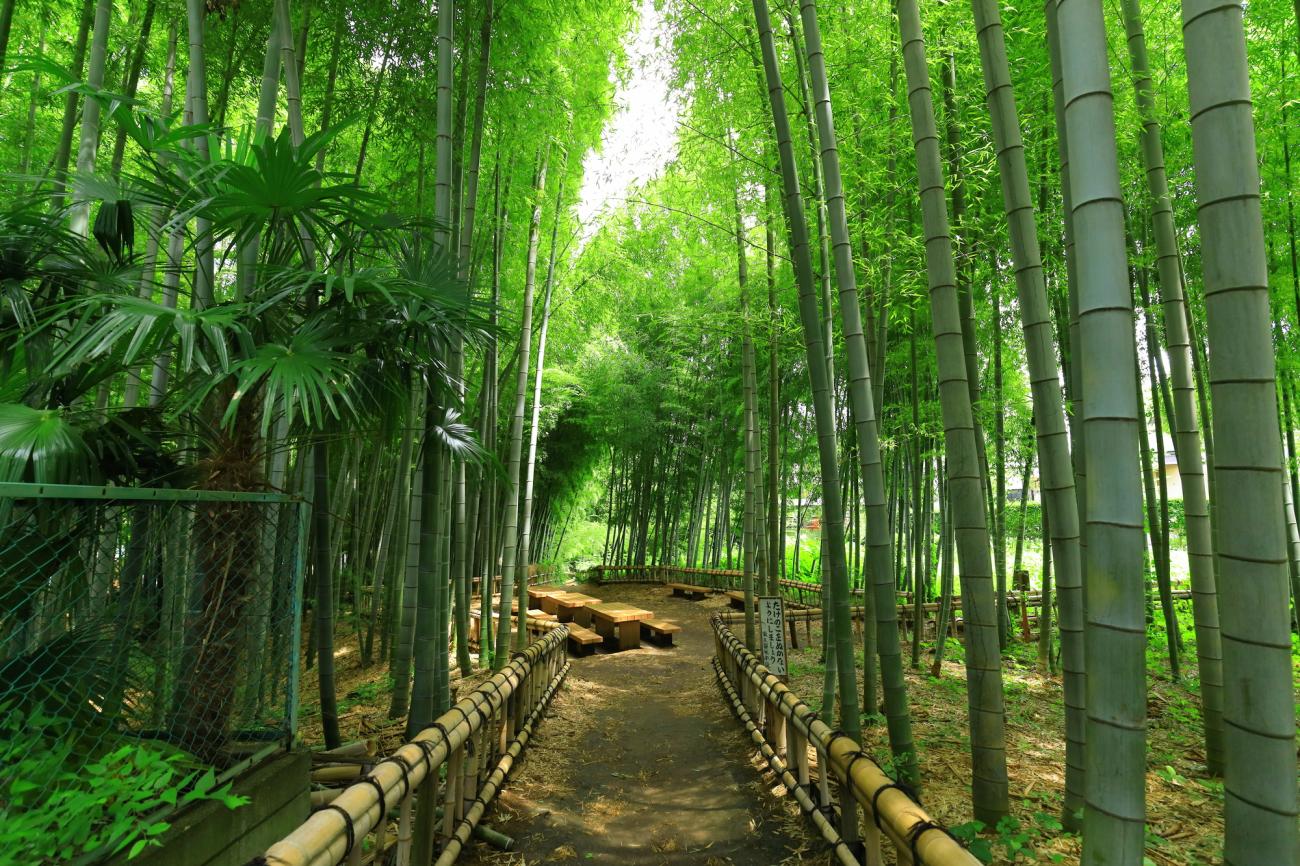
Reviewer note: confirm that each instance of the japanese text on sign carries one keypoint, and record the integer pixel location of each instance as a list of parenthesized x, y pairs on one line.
[(771, 614)]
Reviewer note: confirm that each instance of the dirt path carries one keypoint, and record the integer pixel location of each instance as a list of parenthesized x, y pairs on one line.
[(640, 763)]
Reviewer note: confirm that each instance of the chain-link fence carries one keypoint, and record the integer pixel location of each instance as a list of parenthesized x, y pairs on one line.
[(133, 616)]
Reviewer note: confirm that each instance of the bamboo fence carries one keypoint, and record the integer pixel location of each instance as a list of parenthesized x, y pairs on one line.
[(441, 783), (786, 729)]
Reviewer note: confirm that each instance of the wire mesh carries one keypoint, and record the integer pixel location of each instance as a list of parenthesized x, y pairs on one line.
[(159, 617)]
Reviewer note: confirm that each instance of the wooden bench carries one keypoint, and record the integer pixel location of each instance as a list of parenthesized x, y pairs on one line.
[(583, 640), (737, 599), (688, 590), (660, 631)]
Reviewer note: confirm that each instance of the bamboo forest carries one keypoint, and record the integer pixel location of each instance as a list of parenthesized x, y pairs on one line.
[(649, 432)]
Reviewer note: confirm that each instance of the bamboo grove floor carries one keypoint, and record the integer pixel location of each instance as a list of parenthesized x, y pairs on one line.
[(639, 761)]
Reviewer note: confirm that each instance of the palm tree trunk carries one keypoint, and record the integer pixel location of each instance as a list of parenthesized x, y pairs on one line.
[(1259, 712), (1106, 349), (983, 663)]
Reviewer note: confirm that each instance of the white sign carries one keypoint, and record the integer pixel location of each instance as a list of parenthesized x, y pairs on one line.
[(771, 617)]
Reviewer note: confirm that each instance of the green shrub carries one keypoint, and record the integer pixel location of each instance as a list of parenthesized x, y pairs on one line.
[(60, 800)]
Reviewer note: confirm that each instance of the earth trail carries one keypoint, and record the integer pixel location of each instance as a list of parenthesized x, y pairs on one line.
[(640, 763)]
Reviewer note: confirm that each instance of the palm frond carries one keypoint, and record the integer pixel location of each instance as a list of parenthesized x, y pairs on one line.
[(40, 444), (306, 375)]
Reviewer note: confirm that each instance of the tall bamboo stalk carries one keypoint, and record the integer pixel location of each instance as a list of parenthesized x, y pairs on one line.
[(511, 489), (1115, 649), (749, 530), (534, 430), (89, 145), (1187, 444), (1060, 504), (983, 663), (862, 401), (836, 589), (1258, 709)]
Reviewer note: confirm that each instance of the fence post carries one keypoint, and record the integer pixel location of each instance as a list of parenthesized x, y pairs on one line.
[(426, 818)]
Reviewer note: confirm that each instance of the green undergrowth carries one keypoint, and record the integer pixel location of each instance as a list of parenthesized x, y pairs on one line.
[(72, 798), (1184, 802)]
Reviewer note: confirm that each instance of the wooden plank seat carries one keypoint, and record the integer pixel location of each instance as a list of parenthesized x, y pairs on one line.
[(689, 590), (583, 640), (737, 599), (659, 631)]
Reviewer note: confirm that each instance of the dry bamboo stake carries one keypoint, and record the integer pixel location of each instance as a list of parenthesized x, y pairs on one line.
[(907, 825), (797, 789), (323, 840), (488, 791)]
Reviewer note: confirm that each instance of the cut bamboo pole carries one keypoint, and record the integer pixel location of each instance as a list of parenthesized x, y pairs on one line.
[(902, 820)]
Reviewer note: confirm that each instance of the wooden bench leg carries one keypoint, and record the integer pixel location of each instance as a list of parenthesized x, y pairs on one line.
[(604, 628), (582, 617), (629, 635)]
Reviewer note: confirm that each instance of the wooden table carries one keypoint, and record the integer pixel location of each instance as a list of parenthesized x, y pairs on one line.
[(611, 618), (569, 606), (539, 594)]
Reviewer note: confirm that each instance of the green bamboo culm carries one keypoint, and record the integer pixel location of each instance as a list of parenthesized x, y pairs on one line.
[(861, 397), (1259, 784), (749, 528), (510, 523), (837, 589), (1187, 439), (1061, 507), (1115, 759), (989, 792)]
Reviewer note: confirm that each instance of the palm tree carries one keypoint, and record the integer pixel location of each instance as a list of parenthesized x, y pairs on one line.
[(1259, 744), (320, 343)]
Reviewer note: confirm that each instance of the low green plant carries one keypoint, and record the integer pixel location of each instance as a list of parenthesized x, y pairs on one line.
[(60, 800), (1011, 839)]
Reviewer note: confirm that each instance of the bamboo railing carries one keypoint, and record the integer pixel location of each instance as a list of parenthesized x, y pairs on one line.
[(802, 592), (441, 783), (786, 730)]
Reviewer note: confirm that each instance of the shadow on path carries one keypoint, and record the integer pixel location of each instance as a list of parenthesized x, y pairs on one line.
[(640, 763)]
